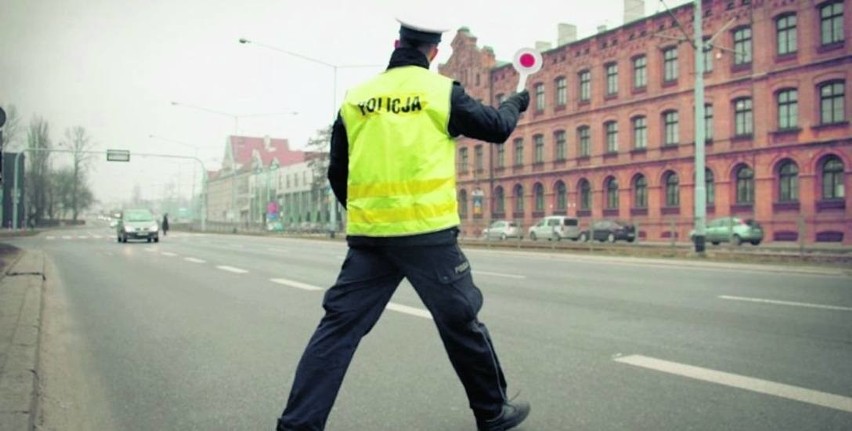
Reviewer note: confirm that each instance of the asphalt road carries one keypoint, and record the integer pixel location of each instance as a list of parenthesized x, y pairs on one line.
[(202, 332)]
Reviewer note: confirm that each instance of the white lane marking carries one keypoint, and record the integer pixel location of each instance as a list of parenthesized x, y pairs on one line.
[(97, 236), (151, 250), (82, 237), (168, 253), (51, 237), (742, 382), (499, 274), (796, 304), (66, 237), (278, 250), (194, 260), (232, 269), (296, 284), (419, 312)]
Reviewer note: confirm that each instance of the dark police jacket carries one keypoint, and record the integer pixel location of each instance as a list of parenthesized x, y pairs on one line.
[(467, 117)]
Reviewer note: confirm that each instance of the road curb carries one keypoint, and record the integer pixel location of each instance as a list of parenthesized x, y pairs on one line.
[(21, 294)]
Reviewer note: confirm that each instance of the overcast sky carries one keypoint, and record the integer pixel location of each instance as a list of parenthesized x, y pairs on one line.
[(115, 67)]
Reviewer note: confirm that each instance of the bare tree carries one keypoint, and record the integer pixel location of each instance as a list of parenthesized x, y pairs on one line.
[(37, 184), (80, 144), (12, 128), (317, 158)]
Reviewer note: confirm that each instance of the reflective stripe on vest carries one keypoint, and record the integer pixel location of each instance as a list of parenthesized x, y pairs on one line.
[(402, 174)]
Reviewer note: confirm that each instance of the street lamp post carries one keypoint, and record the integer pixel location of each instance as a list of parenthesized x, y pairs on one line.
[(334, 67), (236, 118)]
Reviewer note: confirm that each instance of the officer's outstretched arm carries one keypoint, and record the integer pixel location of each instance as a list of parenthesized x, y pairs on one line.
[(475, 120)]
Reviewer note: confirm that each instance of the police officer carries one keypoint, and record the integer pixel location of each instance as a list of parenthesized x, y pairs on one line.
[(392, 165)]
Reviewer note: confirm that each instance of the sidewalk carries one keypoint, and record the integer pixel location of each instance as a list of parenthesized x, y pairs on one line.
[(21, 283)]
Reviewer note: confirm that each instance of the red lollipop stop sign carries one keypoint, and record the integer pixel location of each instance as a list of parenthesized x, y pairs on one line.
[(527, 61)]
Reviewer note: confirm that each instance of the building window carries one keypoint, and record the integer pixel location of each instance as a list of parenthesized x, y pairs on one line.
[(538, 191), (671, 128), (640, 132), (788, 109), (670, 64), (519, 198), (561, 196), (463, 160), (583, 141), (585, 195), (707, 56), (462, 204), (640, 72), (743, 118), (539, 97), (832, 178), (499, 201), (501, 156), (831, 97), (561, 91), (561, 145), (585, 85), (612, 79), (831, 23), (640, 192), (742, 46), (538, 140), (709, 187), (519, 152), (611, 187), (745, 185), (478, 158), (708, 122), (785, 34), (611, 128), (672, 190), (788, 182)]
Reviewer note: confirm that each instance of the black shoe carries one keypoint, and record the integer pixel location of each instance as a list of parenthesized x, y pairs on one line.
[(511, 416)]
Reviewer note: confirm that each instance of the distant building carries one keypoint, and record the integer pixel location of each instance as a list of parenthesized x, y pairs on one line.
[(609, 131)]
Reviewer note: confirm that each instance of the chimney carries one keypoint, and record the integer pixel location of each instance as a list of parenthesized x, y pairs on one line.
[(267, 143), (542, 46), (567, 34), (633, 10)]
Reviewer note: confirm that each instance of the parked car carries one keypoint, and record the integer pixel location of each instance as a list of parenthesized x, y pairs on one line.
[(610, 230), (137, 224), (556, 228), (502, 230), (734, 229)]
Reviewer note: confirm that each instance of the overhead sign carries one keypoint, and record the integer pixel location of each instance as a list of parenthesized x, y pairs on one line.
[(527, 61), (118, 155)]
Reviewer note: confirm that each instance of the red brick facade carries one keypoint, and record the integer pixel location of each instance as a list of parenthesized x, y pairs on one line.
[(781, 145)]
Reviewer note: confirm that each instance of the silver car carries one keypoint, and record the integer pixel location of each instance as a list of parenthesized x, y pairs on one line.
[(556, 228), (502, 230)]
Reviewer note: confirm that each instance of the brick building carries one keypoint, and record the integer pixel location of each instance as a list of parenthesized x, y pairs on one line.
[(610, 129)]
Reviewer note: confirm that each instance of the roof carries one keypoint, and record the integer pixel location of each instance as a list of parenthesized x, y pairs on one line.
[(267, 149)]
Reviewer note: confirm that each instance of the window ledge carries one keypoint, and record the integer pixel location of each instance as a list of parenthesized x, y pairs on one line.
[(830, 125), (610, 212), (670, 210), (669, 147), (790, 131), (669, 83), (611, 155), (742, 208), (786, 57), (744, 137), (584, 102), (584, 158), (640, 150), (584, 213), (830, 46), (560, 108), (831, 204), (638, 211), (786, 206), (742, 67), (640, 90), (611, 96)]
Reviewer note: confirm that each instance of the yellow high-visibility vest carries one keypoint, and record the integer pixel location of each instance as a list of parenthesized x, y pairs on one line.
[(402, 174)]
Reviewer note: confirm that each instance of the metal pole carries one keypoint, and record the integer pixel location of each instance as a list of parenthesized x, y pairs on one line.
[(15, 192), (700, 187), (332, 200)]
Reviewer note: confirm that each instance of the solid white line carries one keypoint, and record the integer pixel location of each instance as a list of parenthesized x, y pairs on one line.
[(296, 284), (796, 393), (97, 236), (419, 312), (194, 260), (51, 237), (498, 274), (82, 237), (168, 253), (66, 237), (796, 304), (232, 269)]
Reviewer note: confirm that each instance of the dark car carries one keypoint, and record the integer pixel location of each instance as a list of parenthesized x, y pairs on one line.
[(610, 230)]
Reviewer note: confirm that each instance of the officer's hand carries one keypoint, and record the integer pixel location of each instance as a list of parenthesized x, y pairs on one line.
[(521, 100)]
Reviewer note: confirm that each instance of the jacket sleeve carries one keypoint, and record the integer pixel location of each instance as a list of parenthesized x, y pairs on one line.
[(473, 119), (338, 164)]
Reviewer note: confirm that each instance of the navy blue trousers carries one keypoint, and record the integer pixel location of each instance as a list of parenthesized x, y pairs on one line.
[(441, 275)]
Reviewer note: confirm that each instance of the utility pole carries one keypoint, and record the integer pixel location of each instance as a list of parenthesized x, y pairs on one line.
[(700, 186)]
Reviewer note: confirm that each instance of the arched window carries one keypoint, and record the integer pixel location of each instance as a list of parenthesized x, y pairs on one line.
[(745, 185), (832, 178), (585, 194), (611, 187), (463, 204), (561, 196), (519, 198), (788, 181), (538, 190), (640, 192), (499, 201), (672, 189)]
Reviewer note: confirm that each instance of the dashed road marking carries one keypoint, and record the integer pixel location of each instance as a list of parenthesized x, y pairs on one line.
[(50, 237), (232, 269), (296, 284), (767, 387), (499, 274), (168, 253), (194, 260), (795, 304), (419, 312)]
